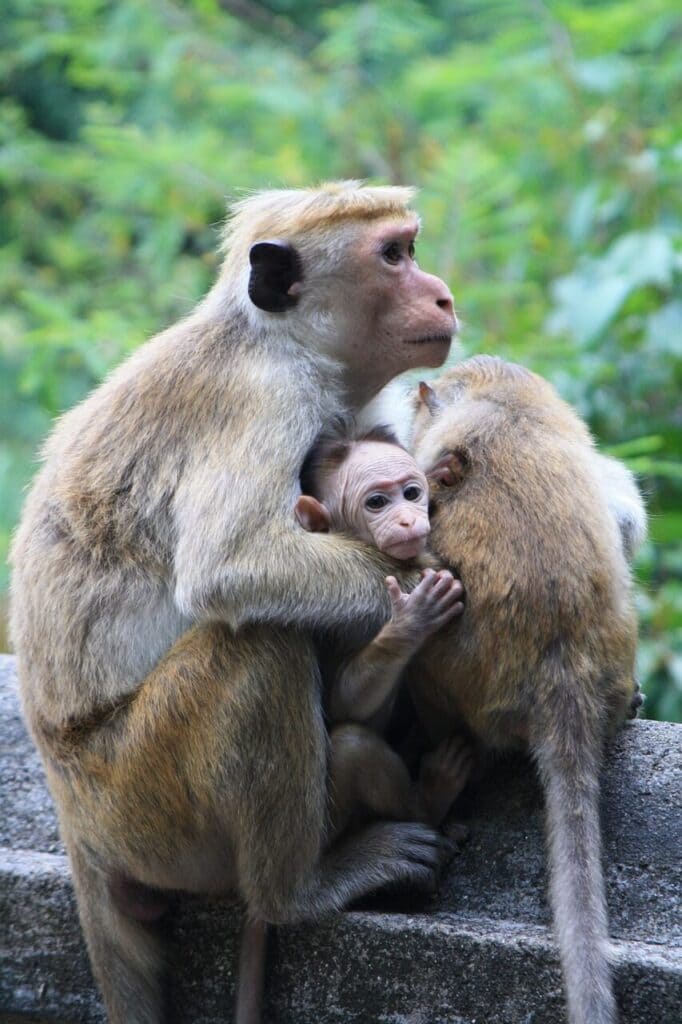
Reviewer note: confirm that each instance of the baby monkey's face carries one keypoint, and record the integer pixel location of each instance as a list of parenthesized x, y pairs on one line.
[(380, 495)]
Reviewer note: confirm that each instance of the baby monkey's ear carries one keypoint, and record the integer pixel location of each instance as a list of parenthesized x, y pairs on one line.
[(450, 469), (312, 514)]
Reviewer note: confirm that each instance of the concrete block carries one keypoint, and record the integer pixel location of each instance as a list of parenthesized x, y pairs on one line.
[(481, 952)]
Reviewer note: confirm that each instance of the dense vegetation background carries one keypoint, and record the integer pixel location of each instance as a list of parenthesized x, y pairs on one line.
[(545, 137)]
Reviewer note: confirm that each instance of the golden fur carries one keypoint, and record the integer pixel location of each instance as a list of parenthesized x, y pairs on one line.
[(544, 654)]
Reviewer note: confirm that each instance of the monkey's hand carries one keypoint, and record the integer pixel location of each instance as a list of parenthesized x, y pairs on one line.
[(365, 685), (435, 600)]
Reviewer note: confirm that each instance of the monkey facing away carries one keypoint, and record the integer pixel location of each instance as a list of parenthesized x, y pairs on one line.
[(373, 490), (522, 508), (163, 592)]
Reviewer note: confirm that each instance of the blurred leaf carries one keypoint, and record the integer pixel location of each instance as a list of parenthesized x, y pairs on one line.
[(638, 446)]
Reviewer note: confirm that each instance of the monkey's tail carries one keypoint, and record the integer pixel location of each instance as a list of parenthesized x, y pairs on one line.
[(567, 744), (251, 973)]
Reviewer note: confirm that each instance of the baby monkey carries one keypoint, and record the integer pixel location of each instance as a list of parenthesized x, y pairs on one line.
[(372, 489)]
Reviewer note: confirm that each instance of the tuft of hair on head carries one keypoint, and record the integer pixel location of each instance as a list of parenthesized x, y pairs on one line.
[(479, 374), (286, 213), (513, 387), (486, 367), (331, 449), (382, 434)]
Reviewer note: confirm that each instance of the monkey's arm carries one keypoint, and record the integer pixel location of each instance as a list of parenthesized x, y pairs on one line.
[(365, 685), (625, 503), (269, 569)]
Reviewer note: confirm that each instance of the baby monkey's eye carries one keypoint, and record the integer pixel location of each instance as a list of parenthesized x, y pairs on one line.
[(412, 493), (411, 250), (376, 502)]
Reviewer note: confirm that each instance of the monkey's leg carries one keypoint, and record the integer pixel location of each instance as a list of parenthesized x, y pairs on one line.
[(146, 796), (214, 777), (283, 872), (365, 774)]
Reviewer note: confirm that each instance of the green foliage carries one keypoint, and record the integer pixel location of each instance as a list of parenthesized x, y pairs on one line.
[(545, 137)]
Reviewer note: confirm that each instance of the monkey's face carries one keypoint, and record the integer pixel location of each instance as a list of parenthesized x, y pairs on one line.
[(401, 316), (380, 495), (363, 300), (355, 292)]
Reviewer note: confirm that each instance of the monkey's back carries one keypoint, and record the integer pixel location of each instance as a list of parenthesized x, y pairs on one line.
[(94, 606), (529, 532)]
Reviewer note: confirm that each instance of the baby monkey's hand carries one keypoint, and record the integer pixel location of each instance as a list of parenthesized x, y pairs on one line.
[(435, 600)]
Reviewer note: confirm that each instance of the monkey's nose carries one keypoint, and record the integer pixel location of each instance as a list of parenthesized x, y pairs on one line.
[(417, 528), (443, 296)]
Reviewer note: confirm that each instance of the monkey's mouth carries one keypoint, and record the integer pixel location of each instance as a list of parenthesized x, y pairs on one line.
[(431, 339), (404, 550)]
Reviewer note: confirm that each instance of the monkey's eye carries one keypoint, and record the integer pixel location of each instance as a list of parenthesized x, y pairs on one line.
[(411, 250), (376, 502), (412, 492), (392, 253)]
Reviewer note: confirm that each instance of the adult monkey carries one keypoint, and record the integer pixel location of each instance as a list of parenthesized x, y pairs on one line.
[(183, 755), (540, 527)]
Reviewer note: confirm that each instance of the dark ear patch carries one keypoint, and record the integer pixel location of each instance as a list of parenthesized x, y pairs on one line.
[(451, 469), (275, 268)]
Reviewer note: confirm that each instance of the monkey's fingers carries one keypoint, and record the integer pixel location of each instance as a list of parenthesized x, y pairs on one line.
[(444, 773), (452, 587), (433, 586), (408, 852), (443, 601), (446, 590), (452, 755), (428, 578), (449, 615), (442, 584), (446, 613), (394, 590), (459, 759)]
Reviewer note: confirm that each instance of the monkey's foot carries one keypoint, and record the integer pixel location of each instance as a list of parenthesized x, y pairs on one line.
[(443, 774), (403, 852)]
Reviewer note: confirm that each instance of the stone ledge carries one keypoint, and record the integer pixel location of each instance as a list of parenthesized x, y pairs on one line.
[(481, 952)]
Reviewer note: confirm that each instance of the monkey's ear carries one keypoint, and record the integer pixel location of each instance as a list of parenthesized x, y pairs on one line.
[(430, 399), (276, 273), (312, 514), (451, 469)]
